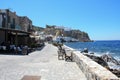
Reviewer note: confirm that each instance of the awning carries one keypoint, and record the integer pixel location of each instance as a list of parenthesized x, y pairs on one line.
[(13, 30)]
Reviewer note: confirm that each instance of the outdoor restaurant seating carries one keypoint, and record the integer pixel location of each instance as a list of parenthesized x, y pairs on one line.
[(2, 47), (25, 50), (7, 48), (14, 49)]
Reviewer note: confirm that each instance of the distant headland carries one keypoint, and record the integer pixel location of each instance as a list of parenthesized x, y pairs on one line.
[(68, 35)]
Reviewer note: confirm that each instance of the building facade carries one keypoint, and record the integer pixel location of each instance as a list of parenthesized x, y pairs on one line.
[(25, 23), (14, 28)]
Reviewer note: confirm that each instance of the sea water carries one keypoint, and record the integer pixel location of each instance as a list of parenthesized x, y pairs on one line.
[(111, 47), (100, 48)]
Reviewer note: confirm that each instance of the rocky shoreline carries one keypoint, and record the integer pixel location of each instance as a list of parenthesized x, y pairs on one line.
[(104, 60)]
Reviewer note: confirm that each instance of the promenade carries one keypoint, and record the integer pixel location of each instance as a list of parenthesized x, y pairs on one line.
[(42, 63)]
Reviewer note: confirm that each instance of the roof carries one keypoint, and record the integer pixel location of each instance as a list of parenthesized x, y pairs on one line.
[(13, 30)]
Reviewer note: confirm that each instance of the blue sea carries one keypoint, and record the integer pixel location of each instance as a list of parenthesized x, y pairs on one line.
[(99, 47)]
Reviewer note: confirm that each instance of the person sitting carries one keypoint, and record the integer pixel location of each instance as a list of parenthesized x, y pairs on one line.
[(3, 44), (19, 50), (25, 50)]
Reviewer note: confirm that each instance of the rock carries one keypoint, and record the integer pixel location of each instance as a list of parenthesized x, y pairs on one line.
[(103, 60), (85, 50), (99, 60), (109, 58), (77, 34), (116, 72)]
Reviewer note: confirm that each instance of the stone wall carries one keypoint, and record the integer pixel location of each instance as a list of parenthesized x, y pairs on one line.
[(13, 20), (25, 23), (8, 19), (91, 69)]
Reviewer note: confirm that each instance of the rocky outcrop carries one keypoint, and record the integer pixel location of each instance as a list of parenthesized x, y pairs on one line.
[(103, 60), (60, 31), (113, 62), (97, 59), (77, 34), (91, 69), (109, 58), (116, 72)]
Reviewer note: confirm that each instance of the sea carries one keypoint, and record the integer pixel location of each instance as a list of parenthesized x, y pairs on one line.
[(111, 47)]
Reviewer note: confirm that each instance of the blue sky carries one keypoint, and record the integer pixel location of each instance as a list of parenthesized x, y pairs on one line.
[(99, 18)]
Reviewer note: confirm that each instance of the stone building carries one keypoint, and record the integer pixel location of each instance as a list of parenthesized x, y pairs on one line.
[(13, 28), (9, 19), (25, 23)]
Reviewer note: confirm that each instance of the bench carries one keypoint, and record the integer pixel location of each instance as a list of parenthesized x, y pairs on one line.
[(68, 55), (64, 53), (61, 53)]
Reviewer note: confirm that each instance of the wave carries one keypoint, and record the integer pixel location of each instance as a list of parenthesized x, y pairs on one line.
[(100, 48), (102, 53), (111, 64), (107, 53)]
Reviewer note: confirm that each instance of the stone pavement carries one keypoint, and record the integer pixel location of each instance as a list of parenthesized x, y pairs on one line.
[(42, 63)]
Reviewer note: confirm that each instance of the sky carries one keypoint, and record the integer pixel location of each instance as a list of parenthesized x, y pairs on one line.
[(99, 18)]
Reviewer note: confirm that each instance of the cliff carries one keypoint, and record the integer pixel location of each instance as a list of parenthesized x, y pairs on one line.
[(77, 34), (60, 31)]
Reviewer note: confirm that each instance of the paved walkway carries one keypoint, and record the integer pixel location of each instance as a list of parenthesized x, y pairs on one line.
[(42, 63)]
